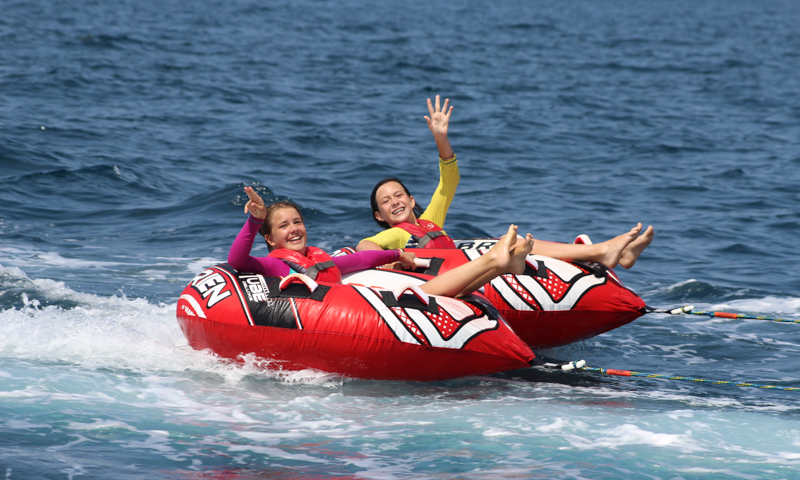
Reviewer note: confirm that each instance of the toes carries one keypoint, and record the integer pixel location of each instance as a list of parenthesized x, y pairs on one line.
[(529, 242), (510, 238)]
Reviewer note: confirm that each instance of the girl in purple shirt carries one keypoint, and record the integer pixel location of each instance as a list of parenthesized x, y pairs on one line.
[(282, 226)]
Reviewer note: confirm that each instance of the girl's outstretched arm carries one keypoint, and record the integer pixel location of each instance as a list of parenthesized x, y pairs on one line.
[(239, 255), (365, 260)]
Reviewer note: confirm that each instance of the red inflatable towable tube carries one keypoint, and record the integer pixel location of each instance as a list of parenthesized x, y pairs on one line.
[(553, 303), (352, 330)]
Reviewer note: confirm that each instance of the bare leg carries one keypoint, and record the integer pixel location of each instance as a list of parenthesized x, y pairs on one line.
[(507, 255), (608, 253), (516, 266), (635, 248)]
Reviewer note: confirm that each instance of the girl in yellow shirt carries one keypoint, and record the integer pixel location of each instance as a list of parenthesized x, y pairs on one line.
[(393, 205)]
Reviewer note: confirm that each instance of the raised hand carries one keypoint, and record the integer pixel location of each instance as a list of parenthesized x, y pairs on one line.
[(439, 118), (256, 205)]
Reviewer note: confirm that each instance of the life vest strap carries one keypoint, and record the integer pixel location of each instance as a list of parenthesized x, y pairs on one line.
[(423, 240), (314, 263), (425, 232), (314, 270)]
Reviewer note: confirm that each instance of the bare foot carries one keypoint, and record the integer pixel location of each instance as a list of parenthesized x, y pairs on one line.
[(612, 250), (521, 250), (500, 254), (631, 253)]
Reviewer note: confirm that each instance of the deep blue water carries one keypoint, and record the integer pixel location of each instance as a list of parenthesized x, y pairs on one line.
[(128, 129)]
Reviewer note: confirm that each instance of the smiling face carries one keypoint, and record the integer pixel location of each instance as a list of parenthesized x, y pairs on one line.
[(394, 204), (287, 230)]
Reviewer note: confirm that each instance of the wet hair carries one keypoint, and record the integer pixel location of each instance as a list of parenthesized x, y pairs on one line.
[(418, 210), (266, 227)]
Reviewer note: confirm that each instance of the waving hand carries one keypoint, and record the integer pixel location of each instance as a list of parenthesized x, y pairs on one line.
[(439, 118), (438, 122), (256, 205)]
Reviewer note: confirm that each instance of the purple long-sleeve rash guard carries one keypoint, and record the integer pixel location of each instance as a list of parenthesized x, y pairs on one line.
[(239, 256)]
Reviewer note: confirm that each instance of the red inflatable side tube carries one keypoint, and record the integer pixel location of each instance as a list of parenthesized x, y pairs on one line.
[(352, 330)]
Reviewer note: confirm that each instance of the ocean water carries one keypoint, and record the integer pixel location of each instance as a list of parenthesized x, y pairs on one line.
[(128, 129)]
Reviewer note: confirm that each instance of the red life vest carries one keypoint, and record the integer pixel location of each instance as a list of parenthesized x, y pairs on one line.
[(315, 263), (427, 234)]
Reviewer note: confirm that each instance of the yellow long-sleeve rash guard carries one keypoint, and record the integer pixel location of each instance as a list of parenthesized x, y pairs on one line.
[(436, 211)]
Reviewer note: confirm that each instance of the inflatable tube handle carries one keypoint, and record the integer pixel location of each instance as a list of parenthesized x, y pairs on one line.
[(399, 291), (422, 262), (582, 239), (533, 263), (298, 278)]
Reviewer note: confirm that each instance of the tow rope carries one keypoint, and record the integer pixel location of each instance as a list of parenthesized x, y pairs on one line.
[(581, 366), (689, 310)]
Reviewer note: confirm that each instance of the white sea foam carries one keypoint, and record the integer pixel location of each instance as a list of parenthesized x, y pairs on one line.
[(498, 432), (157, 440), (101, 331), (276, 453), (27, 257), (679, 284), (24, 425), (717, 472), (118, 332), (628, 434), (271, 438), (199, 264), (101, 425), (676, 414), (254, 365), (55, 260), (766, 306), (558, 425)]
